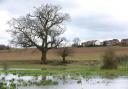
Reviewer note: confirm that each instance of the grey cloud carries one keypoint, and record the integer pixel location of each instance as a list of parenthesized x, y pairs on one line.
[(93, 26), (101, 23), (67, 4), (99, 26), (2, 1), (25, 6), (21, 7)]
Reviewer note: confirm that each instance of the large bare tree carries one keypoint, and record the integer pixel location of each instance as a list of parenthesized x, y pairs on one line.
[(41, 29)]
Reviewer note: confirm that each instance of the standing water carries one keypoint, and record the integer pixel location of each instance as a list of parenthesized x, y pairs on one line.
[(10, 81)]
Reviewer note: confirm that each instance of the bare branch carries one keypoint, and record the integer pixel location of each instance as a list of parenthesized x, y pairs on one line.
[(41, 29)]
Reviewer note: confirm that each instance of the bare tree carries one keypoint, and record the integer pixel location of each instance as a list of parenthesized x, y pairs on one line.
[(64, 51), (41, 29), (76, 42)]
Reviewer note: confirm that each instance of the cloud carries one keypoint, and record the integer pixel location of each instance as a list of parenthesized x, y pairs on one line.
[(1, 1), (4, 36), (97, 26), (97, 19), (21, 7), (90, 19), (98, 22)]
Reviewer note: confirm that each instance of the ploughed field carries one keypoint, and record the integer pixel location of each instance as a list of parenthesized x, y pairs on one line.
[(31, 56), (86, 53)]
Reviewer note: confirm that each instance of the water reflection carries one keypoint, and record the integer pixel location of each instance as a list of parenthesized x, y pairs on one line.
[(10, 81)]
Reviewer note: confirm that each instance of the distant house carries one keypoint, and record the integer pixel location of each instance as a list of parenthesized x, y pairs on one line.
[(124, 42), (87, 43), (101, 43), (107, 43), (83, 44), (91, 43), (115, 42), (97, 43), (112, 42)]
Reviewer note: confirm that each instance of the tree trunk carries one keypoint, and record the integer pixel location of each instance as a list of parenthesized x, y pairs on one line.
[(64, 61), (43, 57)]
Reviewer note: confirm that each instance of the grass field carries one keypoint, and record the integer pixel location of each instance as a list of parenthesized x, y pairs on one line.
[(30, 58), (83, 61)]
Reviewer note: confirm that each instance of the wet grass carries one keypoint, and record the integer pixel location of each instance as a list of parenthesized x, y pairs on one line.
[(13, 84), (70, 70)]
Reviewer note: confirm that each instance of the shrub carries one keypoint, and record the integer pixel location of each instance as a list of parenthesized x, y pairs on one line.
[(108, 61), (5, 66), (122, 60), (64, 52)]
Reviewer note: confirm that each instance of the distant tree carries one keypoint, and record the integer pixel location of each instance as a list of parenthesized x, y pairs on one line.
[(41, 29), (8, 47), (2, 47), (64, 51), (76, 42)]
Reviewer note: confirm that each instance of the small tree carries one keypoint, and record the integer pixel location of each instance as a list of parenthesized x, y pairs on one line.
[(76, 42), (109, 61), (64, 51), (42, 29)]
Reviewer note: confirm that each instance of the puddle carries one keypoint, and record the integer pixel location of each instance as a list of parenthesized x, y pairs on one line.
[(10, 81)]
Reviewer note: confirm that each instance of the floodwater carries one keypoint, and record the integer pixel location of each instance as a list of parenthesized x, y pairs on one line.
[(62, 82)]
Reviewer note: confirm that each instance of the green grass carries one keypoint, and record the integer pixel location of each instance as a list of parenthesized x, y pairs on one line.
[(74, 68), (71, 70)]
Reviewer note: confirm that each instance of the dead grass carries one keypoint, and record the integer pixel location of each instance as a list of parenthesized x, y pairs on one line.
[(80, 54)]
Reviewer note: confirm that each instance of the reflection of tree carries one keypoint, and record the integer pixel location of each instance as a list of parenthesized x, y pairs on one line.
[(64, 79), (81, 84), (43, 77)]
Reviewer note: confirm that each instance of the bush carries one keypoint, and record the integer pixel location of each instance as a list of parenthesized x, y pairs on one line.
[(64, 52), (122, 60), (108, 61)]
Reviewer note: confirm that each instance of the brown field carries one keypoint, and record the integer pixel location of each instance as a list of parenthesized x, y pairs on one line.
[(87, 53), (30, 58)]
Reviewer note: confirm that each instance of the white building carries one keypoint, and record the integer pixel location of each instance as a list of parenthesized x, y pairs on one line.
[(97, 43)]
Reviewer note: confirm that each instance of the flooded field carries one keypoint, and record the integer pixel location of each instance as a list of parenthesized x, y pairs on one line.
[(11, 81)]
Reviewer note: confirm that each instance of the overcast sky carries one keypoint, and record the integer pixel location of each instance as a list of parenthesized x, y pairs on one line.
[(90, 19)]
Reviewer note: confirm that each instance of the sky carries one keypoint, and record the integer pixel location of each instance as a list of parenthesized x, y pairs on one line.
[(90, 19)]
